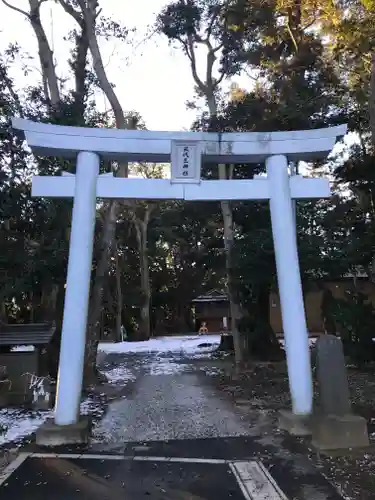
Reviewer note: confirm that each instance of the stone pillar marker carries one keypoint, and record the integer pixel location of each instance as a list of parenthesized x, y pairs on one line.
[(332, 376), (335, 426)]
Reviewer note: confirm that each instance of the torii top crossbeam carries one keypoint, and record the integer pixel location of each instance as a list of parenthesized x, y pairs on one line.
[(144, 145)]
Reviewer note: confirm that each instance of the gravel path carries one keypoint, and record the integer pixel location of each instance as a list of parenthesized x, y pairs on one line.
[(164, 407)]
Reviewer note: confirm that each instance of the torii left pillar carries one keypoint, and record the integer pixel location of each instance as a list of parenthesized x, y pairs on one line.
[(72, 351), (68, 428)]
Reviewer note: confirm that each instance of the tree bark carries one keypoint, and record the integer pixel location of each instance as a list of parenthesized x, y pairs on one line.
[(226, 211), (88, 14), (208, 86), (49, 302), (53, 100), (119, 304), (372, 100), (141, 228), (96, 299)]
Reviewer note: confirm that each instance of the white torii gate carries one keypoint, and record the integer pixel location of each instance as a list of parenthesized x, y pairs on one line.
[(186, 151)]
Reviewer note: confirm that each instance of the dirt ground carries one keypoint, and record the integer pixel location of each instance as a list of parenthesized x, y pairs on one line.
[(266, 384)]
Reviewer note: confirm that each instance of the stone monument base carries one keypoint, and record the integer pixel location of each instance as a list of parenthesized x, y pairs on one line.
[(339, 432), (50, 434), (296, 425)]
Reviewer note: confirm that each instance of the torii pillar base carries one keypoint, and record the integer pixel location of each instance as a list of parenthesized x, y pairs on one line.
[(51, 434), (295, 425)]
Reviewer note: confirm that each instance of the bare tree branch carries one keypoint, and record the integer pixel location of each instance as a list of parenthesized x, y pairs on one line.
[(17, 9), (89, 13), (71, 11), (193, 63), (49, 77)]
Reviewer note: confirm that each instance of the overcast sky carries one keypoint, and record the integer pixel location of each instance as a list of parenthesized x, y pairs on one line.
[(150, 76)]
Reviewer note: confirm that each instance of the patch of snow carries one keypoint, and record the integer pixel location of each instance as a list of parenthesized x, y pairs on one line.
[(23, 348), (89, 406), (183, 344), (212, 371), (16, 424), (166, 367), (119, 374), (312, 341)]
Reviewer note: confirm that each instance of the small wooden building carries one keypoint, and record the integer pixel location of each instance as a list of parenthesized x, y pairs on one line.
[(20, 368), (214, 305), (211, 308), (314, 296)]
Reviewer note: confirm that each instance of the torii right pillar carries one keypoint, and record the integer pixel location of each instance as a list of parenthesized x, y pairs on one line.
[(290, 286), (291, 299)]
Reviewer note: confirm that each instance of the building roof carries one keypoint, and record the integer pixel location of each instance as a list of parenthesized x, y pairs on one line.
[(26, 334), (212, 296)]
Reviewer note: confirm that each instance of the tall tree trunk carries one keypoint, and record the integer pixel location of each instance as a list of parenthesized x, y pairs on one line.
[(51, 86), (49, 302), (3, 312), (119, 301), (88, 14), (226, 211), (372, 125), (207, 87), (96, 300), (372, 100), (141, 228), (47, 66)]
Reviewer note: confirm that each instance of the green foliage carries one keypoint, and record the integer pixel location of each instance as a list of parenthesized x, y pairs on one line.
[(355, 318)]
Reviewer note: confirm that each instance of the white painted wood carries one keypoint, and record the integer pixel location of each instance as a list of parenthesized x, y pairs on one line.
[(255, 189), (13, 466), (309, 188), (148, 189), (73, 335), (109, 133), (255, 482), (290, 287), (275, 148), (337, 131), (310, 148), (129, 145), (186, 158), (159, 189), (46, 128), (109, 187), (228, 190), (53, 186)]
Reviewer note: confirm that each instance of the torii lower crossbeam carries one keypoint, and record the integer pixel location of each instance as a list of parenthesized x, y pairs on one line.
[(159, 189)]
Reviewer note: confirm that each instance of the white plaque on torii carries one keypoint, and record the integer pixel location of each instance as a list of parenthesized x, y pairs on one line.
[(186, 159)]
